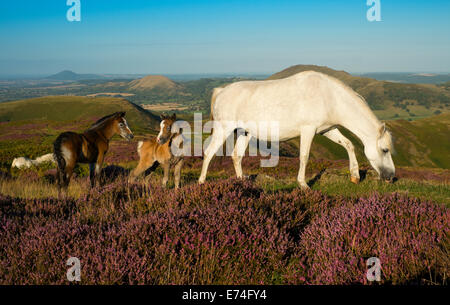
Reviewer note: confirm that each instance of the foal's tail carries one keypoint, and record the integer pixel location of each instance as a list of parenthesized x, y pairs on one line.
[(59, 158)]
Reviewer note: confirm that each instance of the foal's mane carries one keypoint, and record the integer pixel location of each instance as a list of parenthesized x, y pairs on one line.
[(102, 121)]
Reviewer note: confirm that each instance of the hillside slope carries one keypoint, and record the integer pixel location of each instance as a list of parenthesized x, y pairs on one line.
[(420, 143), (424, 142), (71, 108)]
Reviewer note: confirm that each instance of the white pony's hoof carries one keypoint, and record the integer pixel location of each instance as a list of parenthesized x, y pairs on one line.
[(355, 180), (303, 186)]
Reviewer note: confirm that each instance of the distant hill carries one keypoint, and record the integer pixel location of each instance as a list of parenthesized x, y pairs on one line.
[(392, 100), (410, 78), (342, 75), (72, 76), (70, 108), (152, 82)]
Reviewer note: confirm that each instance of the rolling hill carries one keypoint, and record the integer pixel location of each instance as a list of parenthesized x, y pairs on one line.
[(389, 100), (71, 108), (342, 75), (152, 82)]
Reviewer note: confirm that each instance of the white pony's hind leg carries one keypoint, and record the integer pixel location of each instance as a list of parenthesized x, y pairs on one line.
[(336, 136), (239, 152), (218, 138), (307, 134)]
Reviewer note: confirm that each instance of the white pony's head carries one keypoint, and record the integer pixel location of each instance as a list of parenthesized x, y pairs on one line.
[(379, 154)]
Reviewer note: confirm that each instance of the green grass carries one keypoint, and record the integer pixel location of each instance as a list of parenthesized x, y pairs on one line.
[(337, 183), (334, 182)]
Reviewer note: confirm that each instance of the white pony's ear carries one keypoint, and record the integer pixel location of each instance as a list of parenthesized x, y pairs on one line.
[(382, 129)]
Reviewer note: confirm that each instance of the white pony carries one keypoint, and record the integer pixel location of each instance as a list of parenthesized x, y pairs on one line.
[(305, 104)]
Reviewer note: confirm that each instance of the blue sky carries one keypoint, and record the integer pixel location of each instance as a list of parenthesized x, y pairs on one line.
[(215, 36)]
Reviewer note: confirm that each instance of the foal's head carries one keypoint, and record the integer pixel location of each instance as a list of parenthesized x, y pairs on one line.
[(165, 132), (120, 126)]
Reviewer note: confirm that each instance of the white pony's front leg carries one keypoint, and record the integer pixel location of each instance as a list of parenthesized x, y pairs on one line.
[(336, 136), (239, 152), (307, 134), (218, 138)]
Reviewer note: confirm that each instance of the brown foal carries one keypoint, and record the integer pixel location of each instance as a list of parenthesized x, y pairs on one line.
[(156, 151), (90, 147)]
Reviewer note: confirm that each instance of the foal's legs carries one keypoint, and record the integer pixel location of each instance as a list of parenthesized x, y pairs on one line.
[(149, 171), (61, 180), (64, 173), (177, 173), (91, 173), (144, 163), (219, 136), (95, 169), (336, 136), (67, 174), (166, 167), (239, 152), (306, 137)]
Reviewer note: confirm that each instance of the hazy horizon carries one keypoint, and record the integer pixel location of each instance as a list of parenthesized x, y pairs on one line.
[(208, 74)]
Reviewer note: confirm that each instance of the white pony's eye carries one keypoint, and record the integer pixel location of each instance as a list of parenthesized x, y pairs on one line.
[(385, 150)]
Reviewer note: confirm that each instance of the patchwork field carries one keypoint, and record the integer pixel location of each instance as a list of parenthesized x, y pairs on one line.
[(164, 107), (112, 94)]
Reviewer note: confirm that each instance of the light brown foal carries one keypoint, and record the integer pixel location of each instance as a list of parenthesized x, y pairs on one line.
[(156, 151)]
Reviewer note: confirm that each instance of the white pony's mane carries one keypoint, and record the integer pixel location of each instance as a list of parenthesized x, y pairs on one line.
[(387, 134), (351, 91), (389, 141)]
